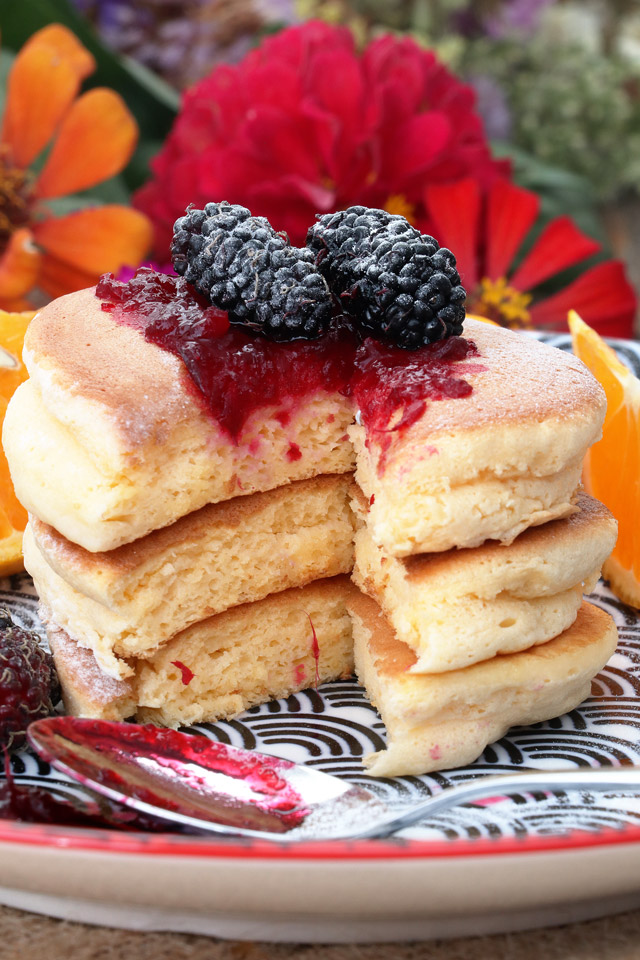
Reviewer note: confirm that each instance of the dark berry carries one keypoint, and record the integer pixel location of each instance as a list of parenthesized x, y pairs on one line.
[(29, 686), (243, 266), (397, 284)]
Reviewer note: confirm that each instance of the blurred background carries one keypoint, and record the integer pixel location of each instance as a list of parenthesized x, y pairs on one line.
[(510, 129)]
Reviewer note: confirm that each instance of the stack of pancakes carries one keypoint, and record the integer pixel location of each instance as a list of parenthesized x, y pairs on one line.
[(184, 577)]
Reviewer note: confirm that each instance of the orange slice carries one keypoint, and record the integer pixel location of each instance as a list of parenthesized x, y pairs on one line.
[(612, 466), (13, 516)]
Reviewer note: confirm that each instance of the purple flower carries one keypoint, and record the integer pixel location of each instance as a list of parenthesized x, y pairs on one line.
[(491, 104), (516, 16), (182, 41)]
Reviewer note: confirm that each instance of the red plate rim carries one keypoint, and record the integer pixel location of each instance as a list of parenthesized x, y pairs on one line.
[(176, 845)]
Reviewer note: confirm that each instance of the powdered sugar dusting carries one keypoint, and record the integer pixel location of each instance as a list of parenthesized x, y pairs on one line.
[(95, 685), (345, 816)]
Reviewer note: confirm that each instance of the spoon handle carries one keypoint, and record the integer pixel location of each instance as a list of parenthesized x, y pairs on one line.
[(626, 778)]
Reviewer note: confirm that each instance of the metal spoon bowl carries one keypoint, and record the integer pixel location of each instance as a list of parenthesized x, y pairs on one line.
[(211, 787)]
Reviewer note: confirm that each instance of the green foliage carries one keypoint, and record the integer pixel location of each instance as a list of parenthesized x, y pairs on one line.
[(560, 190), (570, 108)]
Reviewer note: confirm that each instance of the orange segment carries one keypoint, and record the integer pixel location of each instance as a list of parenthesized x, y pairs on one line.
[(13, 516), (612, 466), (19, 265)]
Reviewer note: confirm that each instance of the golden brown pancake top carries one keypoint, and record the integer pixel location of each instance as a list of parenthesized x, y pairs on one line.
[(146, 390), (515, 379), (393, 658), (143, 387)]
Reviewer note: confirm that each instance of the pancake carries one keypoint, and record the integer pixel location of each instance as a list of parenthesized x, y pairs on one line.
[(109, 440), (487, 465), (441, 721), (245, 656), (144, 522), (129, 601), (460, 607)]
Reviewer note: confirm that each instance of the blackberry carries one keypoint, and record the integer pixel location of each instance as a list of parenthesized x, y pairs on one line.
[(29, 686), (397, 284), (243, 266)]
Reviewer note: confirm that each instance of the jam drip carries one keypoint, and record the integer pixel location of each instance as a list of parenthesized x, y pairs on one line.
[(175, 771), (28, 803), (235, 372), (391, 386)]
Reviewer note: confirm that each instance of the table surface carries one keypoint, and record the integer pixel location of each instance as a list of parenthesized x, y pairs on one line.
[(26, 936)]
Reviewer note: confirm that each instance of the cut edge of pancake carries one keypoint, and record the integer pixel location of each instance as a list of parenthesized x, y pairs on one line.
[(285, 638), (445, 721)]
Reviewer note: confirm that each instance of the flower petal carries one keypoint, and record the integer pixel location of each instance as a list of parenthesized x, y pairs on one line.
[(511, 212), (602, 296), (57, 278), (560, 245), (454, 209), (43, 82), (59, 38), (97, 241), (416, 146), (96, 140), (19, 266)]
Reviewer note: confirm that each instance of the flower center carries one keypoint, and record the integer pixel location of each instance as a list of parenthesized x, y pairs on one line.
[(397, 203), (15, 200), (497, 301)]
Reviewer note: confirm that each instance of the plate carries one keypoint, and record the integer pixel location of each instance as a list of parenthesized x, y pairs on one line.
[(524, 861)]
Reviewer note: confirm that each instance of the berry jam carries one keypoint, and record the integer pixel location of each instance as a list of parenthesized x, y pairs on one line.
[(235, 372), (315, 650), (387, 379), (174, 771), (30, 804)]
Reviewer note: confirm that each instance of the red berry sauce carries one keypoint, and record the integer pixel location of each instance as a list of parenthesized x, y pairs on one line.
[(119, 755), (236, 372), (387, 379), (28, 803), (315, 650)]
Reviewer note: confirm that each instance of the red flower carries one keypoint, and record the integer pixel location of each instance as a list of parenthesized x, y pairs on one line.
[(304, 125), (487, 227)]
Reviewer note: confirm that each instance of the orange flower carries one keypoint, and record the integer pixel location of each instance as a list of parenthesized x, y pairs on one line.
[(94, 135)]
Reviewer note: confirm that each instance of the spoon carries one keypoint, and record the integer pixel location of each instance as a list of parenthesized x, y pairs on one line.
[(211, 787)]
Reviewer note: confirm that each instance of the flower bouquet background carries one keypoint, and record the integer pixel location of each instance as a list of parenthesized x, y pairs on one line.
[(444, 111)]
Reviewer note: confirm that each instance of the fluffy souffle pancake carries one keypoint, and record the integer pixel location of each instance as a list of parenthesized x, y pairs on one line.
[(441, 721), (488, 465), (110, 440), (222, 665), (128, 601), (464, 606)]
